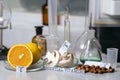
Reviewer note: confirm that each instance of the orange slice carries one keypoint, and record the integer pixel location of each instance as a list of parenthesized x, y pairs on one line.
[(23, 55)]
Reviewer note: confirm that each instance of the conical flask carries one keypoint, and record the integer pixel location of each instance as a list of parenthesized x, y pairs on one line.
[(89, 47)]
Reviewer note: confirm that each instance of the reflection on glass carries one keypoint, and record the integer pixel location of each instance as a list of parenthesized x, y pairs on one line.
[(5, 16), (89, 47)]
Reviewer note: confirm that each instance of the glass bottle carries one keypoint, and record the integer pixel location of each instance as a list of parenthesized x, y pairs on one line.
[(45, 14), (38, 30), (39, 39), (89, 47)]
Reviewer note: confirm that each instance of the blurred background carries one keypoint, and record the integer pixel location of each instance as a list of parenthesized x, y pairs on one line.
[(27, 13)]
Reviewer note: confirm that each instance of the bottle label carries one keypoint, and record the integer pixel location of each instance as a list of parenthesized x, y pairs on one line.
[(65, 46), (20, 69), (101, 64)]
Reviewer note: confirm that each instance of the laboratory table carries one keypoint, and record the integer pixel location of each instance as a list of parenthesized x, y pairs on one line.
[(6, 74)]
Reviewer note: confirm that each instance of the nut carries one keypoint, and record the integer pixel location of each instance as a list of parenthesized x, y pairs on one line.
[(95, 69)]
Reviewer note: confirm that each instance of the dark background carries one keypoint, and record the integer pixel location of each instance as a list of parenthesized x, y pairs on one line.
[(108, 37)]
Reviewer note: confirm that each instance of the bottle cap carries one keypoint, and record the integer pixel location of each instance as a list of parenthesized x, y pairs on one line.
[(39, 29)]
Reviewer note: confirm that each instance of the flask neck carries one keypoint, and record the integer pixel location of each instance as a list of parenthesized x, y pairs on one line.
[(52, 17), (91, 33)]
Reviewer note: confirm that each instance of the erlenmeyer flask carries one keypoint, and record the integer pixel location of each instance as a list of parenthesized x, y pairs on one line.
[(89, 47)]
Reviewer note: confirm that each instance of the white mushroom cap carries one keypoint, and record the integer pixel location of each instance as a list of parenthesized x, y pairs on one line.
[(66, 60), (52, 58)]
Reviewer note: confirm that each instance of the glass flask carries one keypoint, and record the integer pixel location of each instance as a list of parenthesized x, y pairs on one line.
[(52, 38), (5, 21), (89, 47)]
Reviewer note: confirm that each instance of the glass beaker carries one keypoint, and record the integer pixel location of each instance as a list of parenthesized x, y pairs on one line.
[(89, 47)]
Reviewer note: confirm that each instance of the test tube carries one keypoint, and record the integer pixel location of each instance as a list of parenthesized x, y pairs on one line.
[(67, 25)]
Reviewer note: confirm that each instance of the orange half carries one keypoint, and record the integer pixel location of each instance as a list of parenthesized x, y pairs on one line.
[(20, 55)]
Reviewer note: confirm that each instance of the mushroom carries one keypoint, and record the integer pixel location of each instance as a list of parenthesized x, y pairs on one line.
[(52, 58), (66, 60)]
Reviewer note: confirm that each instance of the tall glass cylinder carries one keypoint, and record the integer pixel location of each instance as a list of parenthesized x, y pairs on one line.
[(52, 39), (66, 25), (52, 13)]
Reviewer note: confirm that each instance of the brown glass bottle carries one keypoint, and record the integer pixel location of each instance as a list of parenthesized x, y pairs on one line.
[(39, 39), (45, 14), (38, 30)]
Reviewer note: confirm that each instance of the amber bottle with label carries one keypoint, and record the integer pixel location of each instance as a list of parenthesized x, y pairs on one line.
[(38, 30), (39, 39), (45, 14)]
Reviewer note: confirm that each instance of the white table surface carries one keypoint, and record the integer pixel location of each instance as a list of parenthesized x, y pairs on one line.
[(56, 75)]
